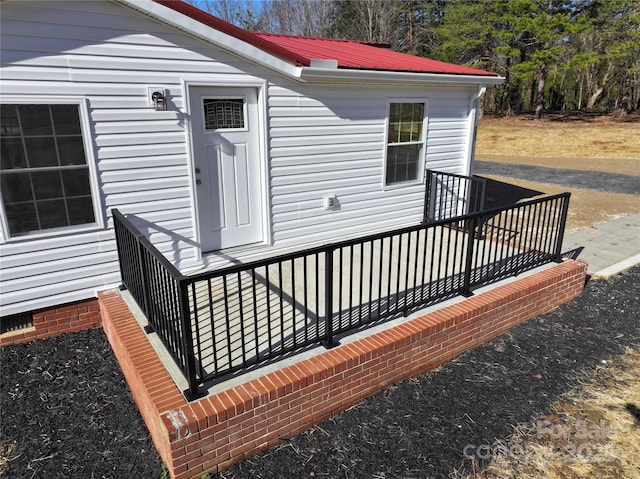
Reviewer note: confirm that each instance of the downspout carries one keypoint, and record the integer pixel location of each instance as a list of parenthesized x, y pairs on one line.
[(473, 126), (471, 149)]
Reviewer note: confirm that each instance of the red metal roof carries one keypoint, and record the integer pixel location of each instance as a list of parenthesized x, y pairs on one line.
[(349, 54), (363, 56)]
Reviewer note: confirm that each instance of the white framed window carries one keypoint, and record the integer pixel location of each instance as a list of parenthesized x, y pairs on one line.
[(405, 142), (46, 175)]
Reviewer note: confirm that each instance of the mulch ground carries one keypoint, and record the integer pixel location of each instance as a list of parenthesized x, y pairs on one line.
[(67, 412)]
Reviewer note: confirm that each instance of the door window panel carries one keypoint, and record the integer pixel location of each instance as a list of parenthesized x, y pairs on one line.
[(223, 113)]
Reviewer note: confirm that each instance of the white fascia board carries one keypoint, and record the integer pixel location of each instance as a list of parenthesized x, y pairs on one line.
[(211, 35), (311, 74)]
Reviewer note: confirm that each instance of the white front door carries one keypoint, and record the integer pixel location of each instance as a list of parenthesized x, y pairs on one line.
[(227, 166)]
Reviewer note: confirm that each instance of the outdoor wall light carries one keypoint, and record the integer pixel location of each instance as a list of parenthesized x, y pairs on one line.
[(159, 101)]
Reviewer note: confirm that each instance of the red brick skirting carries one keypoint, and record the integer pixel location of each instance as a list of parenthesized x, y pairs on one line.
[(65, 318), (210, 434)]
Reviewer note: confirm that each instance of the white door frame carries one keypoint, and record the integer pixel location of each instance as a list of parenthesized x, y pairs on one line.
[(261, 88)]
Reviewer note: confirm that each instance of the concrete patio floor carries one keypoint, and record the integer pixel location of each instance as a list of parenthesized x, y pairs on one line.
[(250, 315)]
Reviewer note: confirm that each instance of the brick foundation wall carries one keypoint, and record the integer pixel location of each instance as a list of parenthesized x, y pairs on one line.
[(210, 434), (65, 318)]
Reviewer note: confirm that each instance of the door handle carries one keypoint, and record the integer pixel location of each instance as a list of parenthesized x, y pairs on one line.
[(197, 170), (198, 181)]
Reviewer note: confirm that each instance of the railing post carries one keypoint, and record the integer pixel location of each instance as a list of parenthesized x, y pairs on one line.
[(483, 191), (145, 279), (117, 229), (187, 340), (468, 264), (561, 228), (328, 298), (427, 197)]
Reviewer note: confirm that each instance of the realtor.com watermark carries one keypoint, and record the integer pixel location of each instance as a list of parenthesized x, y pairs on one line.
[(576, 441)]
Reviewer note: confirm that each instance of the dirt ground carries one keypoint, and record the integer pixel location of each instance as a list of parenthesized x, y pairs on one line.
[(586, 207), (593, 431), (608, 144)]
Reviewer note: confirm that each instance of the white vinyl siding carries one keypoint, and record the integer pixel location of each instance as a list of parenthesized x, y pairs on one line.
[(321, 139), (331, 140)]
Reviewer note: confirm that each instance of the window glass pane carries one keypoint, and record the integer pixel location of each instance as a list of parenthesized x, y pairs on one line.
[(407, 111), (47, 185), (395, 117), (41, 151), (9, 125), (418, 119), (395, 112), (43, 170), (223, 113), (405, 131), (12, 154), (76, 182), (35, 120), (80, 210), (52, 214), (394, 132), (71, 150), (16, 187), (405, 122), (21, 217), (402, 163), (66, 119)]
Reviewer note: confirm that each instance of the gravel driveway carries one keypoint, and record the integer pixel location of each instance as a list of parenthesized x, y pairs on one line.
[(590, 180)]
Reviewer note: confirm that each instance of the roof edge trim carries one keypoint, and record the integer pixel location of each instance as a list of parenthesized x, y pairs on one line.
[(311, 74)]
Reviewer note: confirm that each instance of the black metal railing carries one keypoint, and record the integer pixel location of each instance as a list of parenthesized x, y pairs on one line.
[(159, 290), (448, 195), (218, 322)]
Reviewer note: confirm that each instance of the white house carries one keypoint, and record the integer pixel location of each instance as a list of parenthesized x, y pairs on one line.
[(217, 142)]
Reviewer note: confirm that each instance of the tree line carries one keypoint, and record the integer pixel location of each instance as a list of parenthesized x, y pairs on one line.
[(555, 55)]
